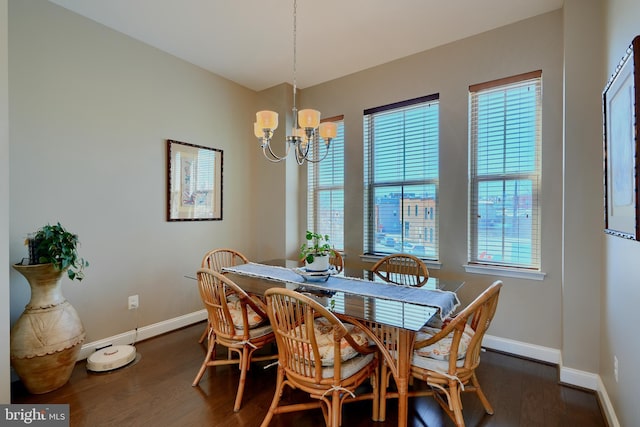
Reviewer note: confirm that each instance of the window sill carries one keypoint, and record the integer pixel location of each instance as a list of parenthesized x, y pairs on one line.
[(431, 264), (494, 270)]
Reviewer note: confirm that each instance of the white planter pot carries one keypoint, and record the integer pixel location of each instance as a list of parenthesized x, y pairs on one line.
[(320, 263)]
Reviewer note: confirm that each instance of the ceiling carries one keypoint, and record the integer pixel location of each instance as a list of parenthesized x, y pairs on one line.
[(251, 41)]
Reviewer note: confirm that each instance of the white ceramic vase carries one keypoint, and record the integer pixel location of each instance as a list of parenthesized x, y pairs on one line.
[(320, 263)]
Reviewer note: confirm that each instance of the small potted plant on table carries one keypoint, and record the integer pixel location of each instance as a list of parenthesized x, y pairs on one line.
[(316, 251)]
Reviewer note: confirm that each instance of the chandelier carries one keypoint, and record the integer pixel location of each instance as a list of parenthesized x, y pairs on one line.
[(307, 129)]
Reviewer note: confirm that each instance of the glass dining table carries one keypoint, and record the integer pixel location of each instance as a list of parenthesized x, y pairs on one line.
[(390, 311)]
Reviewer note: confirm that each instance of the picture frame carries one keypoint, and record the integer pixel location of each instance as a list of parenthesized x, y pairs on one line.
[(194, 182), (621, 138)]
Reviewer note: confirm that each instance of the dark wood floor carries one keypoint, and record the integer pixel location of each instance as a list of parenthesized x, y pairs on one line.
[(156, 391)]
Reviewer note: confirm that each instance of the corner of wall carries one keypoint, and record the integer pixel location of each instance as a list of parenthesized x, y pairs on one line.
[(5, 382)]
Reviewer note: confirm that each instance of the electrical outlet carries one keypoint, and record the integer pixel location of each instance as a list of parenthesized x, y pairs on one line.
[(133, 302), (615, 367)]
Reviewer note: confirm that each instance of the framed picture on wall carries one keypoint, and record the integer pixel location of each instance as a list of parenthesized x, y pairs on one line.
[(621, 138), (194, 182)]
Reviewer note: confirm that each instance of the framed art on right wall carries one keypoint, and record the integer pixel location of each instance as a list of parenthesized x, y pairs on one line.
[(621, 130)]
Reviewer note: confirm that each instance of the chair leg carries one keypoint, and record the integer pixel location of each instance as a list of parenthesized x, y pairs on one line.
[(326, 412), (204, 334), (385, 376), (211, 352), (376, 384), (335, 409), (276, 398), (481, 396), (455, 403), (244, 367)]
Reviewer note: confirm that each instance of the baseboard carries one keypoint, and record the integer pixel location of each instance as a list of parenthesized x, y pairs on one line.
[(607, 406), (569, 376), (144, 332), (579, 378), (519, 348)]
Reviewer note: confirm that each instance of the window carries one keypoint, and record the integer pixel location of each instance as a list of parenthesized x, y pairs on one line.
[(325, 185), (401, 175), (504, 141)]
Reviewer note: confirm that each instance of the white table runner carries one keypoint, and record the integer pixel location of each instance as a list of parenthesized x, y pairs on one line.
[(445, 301)]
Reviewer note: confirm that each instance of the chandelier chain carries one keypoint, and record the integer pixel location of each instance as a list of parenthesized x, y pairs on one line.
[(295, 32)]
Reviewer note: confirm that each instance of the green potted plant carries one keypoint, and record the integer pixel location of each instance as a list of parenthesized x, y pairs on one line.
[(316, 251), (54, 244)]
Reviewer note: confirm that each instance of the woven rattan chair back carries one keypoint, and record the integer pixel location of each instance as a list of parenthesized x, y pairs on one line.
[(215, 289), (217, 259), (402, 269)]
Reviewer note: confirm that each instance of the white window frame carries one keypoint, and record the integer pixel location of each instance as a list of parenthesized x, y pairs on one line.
[(369, 243), (501, 266)]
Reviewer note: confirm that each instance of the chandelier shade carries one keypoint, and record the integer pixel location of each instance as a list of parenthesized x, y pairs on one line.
[(328, 130), (309, 118), (267, 120)]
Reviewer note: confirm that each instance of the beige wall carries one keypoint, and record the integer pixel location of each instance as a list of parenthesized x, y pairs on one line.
[(90, 111), (583, 188), (621, 290), (4, 207), (529, 310)]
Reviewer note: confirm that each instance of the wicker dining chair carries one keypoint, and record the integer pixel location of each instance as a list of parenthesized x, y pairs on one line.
[(447, 375), (216, 260), (402, 269), (320, 355), (236, 321), (335, 259)]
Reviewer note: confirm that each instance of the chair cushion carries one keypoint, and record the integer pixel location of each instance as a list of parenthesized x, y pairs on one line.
[(260, 330), (349, 367), (431, 364), (440, 350), (235, 309), (324, 337)]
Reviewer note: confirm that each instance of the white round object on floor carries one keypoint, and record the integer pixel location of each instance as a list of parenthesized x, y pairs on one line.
[(112, 357)]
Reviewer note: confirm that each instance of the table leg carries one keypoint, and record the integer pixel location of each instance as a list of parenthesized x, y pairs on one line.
[(405, 345), (396, 346)]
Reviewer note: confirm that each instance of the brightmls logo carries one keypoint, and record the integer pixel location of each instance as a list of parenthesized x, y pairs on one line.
[(34, 415)]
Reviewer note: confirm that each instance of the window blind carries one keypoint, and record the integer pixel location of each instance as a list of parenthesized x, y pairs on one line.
[(325, 190), (505, 141), (401, 171)]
